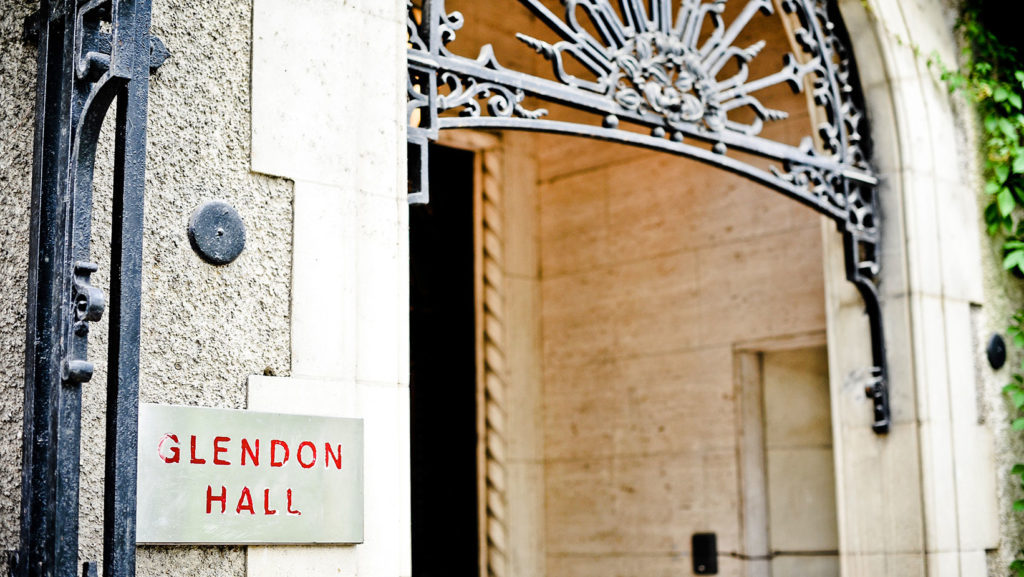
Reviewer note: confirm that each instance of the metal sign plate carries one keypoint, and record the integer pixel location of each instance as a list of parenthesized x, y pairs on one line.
[(216, 476)]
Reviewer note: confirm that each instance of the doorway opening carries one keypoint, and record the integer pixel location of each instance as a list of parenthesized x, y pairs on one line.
[(443, 366), (613, 291), (787, 466)]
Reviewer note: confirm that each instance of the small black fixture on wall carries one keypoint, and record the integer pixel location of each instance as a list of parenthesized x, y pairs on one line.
[(996, 352), (704, 548), (216, 232)]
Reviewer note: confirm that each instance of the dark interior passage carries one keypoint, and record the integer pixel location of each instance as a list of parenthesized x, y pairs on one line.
[(445, 533)]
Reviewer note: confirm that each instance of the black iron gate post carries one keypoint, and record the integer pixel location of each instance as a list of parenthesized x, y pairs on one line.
[(91, 54)]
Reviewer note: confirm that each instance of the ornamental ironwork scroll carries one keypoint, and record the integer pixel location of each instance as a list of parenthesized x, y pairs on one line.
[(93, 55), (674, 70)]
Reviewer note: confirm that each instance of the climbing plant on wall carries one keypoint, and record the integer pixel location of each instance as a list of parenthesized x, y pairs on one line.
[(992, 77)]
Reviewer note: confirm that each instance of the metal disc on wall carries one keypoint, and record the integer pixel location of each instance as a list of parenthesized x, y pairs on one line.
[(216, 232)]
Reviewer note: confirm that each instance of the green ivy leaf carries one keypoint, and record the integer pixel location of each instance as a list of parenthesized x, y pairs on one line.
[(1006, 202), (1018, 424), (1014, 99), (1013, 259), (1001, 93), (1018, 505), (992, 218), (1018, 339), (1018, 469), (1002, 172), (1007, 128)]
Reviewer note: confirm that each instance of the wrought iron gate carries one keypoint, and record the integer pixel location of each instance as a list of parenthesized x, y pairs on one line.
[(92, 54), (636, 63)]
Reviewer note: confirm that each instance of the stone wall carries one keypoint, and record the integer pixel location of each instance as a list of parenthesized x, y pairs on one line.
[(17, 113), (653, 269)]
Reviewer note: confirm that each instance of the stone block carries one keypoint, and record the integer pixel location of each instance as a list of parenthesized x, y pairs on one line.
[(679, 402), (382, 319), (583, 409), (903, 517), (938, 486), (797, 411), (740, 282), (323, 271), (580, 515), (824, 566), (574, 223), (305, 116), (656, 305), (525, 383), (801, 499), (578, 313), (526, 532)]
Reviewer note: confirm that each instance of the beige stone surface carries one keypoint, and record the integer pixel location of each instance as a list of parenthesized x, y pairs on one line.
[(652, 269), (626, 565), (805, 566), (797, 411), (801, 497)]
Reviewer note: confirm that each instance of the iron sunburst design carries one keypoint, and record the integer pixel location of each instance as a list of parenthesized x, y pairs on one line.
[(652, 65)]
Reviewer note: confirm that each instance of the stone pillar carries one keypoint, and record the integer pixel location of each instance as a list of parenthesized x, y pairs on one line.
[(921, 500), (329, 113)]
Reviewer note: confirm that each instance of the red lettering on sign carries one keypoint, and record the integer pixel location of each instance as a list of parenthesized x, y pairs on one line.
[(194, 460), (247, 450), (298, 454), (290, 510), (223, 498), (175, 451), (329, 455), (217, 450), (245, 502), (273, 453), (266, 503)]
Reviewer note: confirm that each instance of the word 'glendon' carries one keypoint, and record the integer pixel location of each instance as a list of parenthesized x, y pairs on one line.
[(250, 453)]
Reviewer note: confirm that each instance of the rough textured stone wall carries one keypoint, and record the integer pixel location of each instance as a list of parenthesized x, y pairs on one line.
[(1004, 295), (205, 329), (17, 110)]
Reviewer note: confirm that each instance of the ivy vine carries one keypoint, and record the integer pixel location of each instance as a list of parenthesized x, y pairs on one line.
[(992, 77)]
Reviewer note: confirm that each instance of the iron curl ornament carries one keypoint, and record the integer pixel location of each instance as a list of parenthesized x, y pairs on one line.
[(676, 70)]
